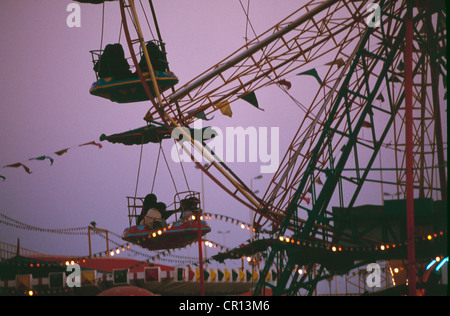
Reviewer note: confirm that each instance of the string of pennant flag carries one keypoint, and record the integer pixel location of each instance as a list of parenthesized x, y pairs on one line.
[(223, 106), (24, 164)]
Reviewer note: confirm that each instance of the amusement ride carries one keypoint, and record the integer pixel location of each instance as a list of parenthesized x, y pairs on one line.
[(386, 63), (380, 94)]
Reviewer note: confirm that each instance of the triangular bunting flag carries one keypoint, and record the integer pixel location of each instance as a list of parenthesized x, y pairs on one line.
[(255, 276), (205, 275), (234, 275), (43, 158), (197, 274), (380, 97), (17, 165), (200, 115), (227, 275), (248, 275), (304, 198), (366, 124), (274, 275), (220, 275), (2, 177), (312, 72), (251, 98), (319, 181), (92, 143), (225, 108), (191, 274), (284, 83), (213, 274), (268, 277), (339, 62), (241, 275)]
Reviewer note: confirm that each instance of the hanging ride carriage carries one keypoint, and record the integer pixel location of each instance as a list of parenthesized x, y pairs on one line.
[(186, 229), (116, 82)]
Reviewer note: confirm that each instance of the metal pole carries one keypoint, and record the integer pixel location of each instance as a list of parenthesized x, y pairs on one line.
[(409, 152), (200, 256), (89, 238)]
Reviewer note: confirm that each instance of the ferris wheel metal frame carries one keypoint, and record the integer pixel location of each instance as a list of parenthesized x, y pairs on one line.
[(328, 143)]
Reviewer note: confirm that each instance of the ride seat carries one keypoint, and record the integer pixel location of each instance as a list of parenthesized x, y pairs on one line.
[(157, 58), (112, 63)]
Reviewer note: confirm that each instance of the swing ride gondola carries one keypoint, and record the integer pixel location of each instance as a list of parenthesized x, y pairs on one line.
[(184, 231), (154, 132), (117, 83)]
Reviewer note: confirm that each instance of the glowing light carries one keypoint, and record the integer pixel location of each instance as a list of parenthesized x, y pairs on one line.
[(439, 266), (117, 251), (67, 263), (112, 253), (281, 238), (382, 247), (333, 249), (430, 264), (300, 271), (395, 270), (30, 293), (287, 239), (154, 234), (249, 259), (429, 237), (159, 232), (193, 217), (242, 226)]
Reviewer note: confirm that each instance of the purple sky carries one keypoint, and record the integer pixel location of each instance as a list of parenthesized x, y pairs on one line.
[(46, 106), (46, 72)]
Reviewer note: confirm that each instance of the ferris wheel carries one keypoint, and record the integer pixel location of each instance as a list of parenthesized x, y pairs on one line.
[(383, 73)]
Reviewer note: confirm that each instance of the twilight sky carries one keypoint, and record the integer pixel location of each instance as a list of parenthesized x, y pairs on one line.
[(46, 107), (46, 72)]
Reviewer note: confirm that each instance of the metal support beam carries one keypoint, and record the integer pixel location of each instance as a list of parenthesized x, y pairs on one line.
[(409, 150)]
